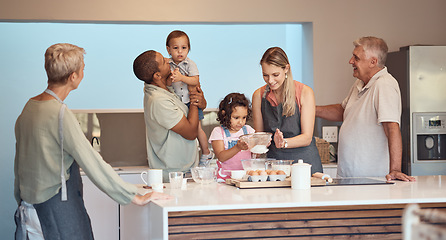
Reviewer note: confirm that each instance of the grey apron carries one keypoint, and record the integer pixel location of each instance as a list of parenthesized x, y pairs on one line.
[(66, 219), (290, 127)]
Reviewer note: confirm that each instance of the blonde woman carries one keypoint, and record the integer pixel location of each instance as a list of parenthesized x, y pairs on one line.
[(50, 149), (286, 108)]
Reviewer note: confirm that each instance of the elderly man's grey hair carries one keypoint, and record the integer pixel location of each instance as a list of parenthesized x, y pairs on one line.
[(373, 47)]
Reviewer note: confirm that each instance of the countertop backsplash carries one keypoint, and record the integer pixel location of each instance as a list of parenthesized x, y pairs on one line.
[(119, 135)]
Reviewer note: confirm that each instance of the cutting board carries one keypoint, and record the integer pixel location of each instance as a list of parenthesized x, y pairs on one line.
[(268, 184)]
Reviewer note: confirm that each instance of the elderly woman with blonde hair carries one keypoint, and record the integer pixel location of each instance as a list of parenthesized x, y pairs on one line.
[(286, 108), (50, 148)]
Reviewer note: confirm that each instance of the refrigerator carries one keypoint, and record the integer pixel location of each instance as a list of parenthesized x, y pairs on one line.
[(421, 74)]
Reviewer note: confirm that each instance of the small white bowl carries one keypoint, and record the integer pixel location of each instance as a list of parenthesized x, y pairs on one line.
[(204, 175), (238, 174), (253, 164)]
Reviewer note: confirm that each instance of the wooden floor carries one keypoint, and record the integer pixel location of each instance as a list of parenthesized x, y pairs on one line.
[(341, 222)]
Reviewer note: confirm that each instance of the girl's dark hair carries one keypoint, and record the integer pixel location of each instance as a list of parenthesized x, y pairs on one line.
[(228, 104), (177, 34)]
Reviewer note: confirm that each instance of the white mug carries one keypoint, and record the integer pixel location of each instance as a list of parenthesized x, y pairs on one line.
[(153, 176)]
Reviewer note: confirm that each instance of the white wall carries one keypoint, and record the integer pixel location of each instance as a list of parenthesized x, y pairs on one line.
[(335, 25)]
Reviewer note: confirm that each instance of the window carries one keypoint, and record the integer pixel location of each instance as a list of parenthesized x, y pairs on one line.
[(227, 56)]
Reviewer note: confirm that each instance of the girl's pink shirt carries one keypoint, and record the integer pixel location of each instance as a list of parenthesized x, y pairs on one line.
[(233, 163)]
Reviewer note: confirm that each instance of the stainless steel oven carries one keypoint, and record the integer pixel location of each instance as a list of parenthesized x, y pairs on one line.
[(429, 145)]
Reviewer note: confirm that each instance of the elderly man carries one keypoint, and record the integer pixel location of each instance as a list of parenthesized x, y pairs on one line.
[(171, 127), (370, 137)]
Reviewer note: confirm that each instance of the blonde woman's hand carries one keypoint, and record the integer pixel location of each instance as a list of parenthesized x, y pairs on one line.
[(278, 139), (146, 198)]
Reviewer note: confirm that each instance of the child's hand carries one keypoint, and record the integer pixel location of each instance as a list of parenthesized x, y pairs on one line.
[(176, 75), (242, 145)]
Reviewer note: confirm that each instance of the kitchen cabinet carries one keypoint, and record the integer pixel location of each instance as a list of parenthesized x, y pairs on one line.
[(111, 221), (134, 220), (103, 212)]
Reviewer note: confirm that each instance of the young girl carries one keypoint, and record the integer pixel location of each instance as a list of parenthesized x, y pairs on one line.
[(185, 78), (233, 112)]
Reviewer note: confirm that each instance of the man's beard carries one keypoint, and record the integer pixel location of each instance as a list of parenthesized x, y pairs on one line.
[(169, 79)]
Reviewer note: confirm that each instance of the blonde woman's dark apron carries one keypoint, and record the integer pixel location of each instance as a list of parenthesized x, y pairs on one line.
[(290, 127)]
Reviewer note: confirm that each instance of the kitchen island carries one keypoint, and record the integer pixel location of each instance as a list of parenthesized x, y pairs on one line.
[(355, 212)]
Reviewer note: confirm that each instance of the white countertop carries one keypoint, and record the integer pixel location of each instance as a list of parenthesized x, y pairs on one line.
[(219, 196)]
